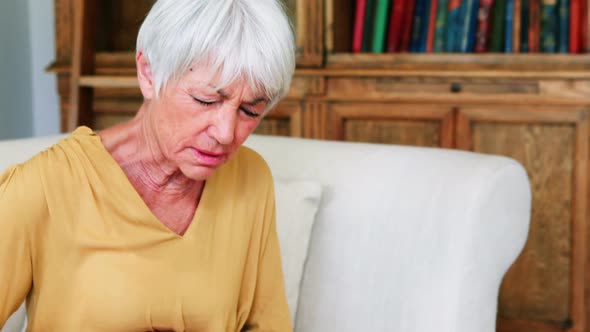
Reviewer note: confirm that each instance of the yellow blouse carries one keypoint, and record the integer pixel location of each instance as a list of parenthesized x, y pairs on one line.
[(78, 241)]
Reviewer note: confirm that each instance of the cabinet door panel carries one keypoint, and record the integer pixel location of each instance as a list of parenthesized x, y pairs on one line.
[(407, 124), (416, 132), (544, 289), (285, 120)]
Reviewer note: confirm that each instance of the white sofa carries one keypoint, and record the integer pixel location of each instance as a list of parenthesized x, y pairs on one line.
[(405, 239)]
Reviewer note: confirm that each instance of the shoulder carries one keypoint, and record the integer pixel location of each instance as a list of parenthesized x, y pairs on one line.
[(47, 167)]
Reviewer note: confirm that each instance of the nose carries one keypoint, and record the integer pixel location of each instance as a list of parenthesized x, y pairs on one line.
[(224, 124)]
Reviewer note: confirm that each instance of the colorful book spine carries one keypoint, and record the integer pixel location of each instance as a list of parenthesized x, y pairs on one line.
[(431, 26), (380, 26), (563, 13), (584, 27), (509, 26), (359, 21), (418, 31), (516, 25), (368, 26), (575, 18), (394, 34), (524, 27), (407, 25), (534, 26), (483, 26), (548, 26), (497, 35), (468, 25), (453, 26), (440, 36)]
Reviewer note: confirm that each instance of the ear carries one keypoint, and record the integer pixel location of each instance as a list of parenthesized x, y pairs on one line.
[(144, 76)]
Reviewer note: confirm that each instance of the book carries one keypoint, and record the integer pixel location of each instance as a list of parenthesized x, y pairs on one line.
[(395, 31), (524, 27), (548, 26), (468, 25), (483, 26), (359, 21), (509, 26), (516, 24), (368, 26), (431, 25), (380, 25), (498, 24), (419, 27), (584, 27), (563, 14), (575, 20), (408, 22), (534, 26), (453, 26), (440, 35)]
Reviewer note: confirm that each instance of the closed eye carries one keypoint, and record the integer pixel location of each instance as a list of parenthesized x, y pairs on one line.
[(203, 102), (250, 113)]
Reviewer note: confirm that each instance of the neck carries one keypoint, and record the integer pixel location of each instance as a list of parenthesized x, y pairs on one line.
[(134, 146)]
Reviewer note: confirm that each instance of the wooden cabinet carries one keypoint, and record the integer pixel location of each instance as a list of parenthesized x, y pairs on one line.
[(410, 124), (531, 107), (547, 283)]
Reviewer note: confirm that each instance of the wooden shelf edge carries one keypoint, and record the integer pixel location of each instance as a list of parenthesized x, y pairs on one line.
[(517, 325), (503, 66), (465, 65), (506, 74), (103, 81), (459, 99)]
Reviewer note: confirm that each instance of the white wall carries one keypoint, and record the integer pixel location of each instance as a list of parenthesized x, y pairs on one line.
[(28, 95), (45, 97), (16, 118)]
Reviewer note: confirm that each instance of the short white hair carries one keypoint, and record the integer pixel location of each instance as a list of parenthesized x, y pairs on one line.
[(241, 39)]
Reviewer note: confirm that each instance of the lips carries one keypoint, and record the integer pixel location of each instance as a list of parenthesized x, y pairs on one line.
[(208, 158)]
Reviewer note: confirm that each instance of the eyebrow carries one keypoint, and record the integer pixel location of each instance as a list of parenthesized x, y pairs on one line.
[(256, 101)]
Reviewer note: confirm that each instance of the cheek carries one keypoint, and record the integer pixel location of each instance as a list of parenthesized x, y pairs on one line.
[(245, 129)]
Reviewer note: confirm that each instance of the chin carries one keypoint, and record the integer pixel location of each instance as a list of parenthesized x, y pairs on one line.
[(198, 173)]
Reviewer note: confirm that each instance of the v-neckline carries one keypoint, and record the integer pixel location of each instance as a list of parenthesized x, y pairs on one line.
[(126, 190)]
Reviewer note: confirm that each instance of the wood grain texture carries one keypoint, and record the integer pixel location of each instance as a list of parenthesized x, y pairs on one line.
[(315, 120), (460, 62), (405, 132), (515, 325), (82, 62), (537, 287), (547, 283), (383, 87), (102, 120), (574, 89), (310, 33), (275, 127), (63, 30), (419, 124), (123, 20)]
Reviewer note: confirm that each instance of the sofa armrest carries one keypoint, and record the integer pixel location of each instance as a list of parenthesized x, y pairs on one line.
[(406, 238)]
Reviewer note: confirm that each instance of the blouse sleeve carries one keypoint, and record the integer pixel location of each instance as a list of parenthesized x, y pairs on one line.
[(18, 209), (269, 311)]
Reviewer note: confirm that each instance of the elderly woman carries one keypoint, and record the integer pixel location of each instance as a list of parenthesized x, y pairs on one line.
[(163, 222)]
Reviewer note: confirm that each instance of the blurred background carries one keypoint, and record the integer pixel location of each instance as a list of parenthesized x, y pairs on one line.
[(29, 104), (513, 80)]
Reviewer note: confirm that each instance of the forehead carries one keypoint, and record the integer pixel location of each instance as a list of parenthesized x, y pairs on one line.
[(206, 77)]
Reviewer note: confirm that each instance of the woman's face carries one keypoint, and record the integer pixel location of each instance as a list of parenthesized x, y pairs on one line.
[(198, 127)]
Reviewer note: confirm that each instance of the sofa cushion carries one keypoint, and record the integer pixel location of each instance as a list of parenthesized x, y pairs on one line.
[(297, 203)]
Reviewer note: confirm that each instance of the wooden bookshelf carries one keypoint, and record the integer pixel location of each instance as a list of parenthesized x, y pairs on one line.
[(532, 107)]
